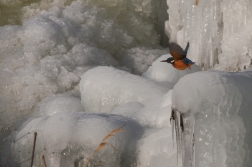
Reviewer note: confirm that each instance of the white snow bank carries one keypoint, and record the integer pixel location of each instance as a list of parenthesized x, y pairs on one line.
[(103, 88), (216, 108), (69, 138), (165, 74)]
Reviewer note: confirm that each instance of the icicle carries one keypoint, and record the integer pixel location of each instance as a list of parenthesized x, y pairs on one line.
[(177, 120), (172, 124), (184, 129)]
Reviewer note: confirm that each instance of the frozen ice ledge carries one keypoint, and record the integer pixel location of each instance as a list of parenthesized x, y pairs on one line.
[(212, 114)]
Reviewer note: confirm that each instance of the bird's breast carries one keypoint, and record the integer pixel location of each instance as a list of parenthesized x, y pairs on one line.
[(180, 65)]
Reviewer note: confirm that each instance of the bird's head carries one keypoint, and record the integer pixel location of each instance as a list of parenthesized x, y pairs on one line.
[(169, 60)]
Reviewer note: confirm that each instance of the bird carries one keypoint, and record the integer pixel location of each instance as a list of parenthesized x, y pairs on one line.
[(178, 59)]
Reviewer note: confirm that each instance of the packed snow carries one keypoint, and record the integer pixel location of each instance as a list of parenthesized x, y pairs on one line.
[(86, 76)]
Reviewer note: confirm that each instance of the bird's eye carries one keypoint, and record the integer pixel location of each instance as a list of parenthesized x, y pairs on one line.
[(172, 61)]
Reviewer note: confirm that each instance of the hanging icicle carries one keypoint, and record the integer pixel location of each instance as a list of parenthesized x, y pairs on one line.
[(184, 129)]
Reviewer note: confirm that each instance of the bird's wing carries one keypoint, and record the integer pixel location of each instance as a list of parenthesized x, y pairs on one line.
[(186, 49), (176, 51)]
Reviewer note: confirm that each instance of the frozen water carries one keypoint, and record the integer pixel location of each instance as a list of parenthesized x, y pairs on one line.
[(49, 53), (219, 31), (126, 88), (75, 139), (216, 109)]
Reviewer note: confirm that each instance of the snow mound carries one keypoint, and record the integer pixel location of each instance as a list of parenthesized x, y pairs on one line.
[(216, 111), (67, 139), (113, 87)]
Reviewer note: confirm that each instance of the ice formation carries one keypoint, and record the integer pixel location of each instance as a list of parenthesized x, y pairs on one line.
[(74, 70), (49, 52), (216, 113), (219, 31), (75, 140), (126, 88)]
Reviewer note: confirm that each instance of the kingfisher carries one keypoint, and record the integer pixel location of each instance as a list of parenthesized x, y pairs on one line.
[(178, 59)]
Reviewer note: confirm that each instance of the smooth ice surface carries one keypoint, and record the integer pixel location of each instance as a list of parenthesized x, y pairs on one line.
[(126, 88), (69, 138), (165, 74), (216, 108)]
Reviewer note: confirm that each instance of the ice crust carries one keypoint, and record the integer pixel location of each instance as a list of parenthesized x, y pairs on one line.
[(216, 108)]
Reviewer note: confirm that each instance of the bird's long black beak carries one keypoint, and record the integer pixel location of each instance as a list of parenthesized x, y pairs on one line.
[(163, 61)]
